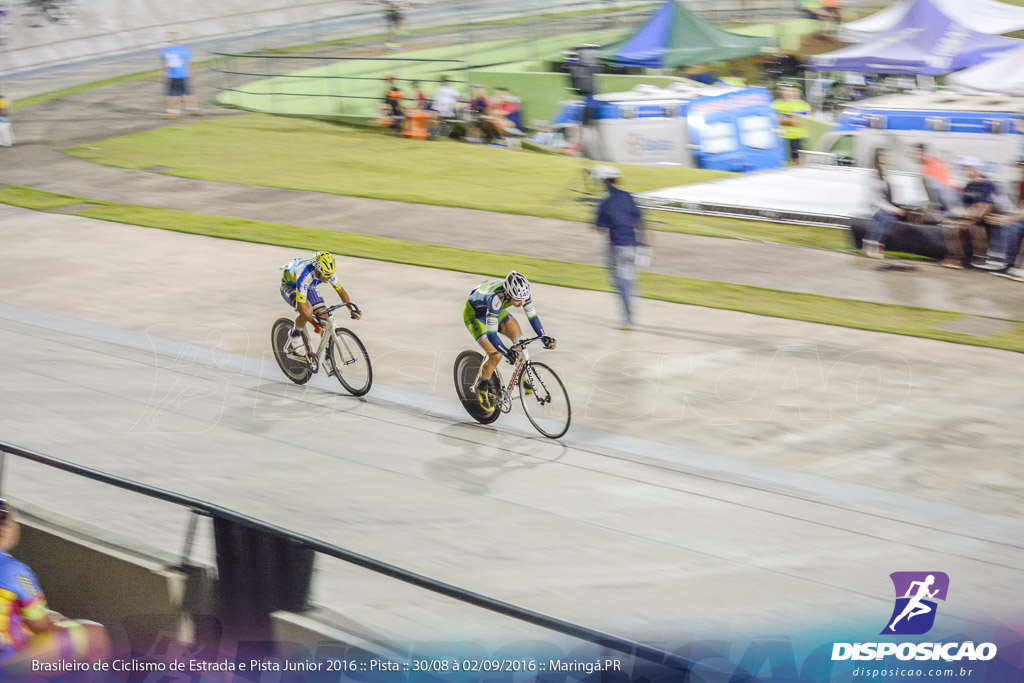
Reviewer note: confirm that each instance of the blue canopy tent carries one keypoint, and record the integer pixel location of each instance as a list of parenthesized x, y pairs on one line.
[(925, 41), (674, 37)]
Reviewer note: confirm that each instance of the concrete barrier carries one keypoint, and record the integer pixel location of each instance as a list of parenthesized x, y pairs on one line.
[(322, 633), (109, 27)]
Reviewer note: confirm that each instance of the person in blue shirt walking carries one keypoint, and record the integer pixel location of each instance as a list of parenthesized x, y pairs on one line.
[(177, 60), (621, 217)]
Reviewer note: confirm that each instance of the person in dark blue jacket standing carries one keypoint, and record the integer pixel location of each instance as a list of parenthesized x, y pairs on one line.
[(621, 217)]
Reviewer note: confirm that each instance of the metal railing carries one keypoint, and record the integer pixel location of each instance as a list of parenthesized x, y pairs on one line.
[(217, 512)]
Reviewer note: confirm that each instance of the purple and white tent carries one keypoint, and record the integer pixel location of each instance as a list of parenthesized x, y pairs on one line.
[(924, 41), (983, 16), (1003, 75)]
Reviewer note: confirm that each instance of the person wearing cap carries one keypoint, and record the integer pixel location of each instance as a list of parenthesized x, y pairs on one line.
[(621, 217), (792, 112), (1005, 258), (978, 200)]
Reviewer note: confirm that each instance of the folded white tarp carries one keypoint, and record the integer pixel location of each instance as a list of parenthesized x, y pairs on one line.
[(984, 16), (826, 195), (1003, 74)]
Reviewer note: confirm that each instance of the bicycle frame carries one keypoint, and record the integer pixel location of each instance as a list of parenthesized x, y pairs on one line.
[(316, 359), (509, 393), (518, 370)]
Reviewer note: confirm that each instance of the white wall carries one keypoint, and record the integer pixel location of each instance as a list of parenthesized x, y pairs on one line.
[(111, 27), (107, 27)]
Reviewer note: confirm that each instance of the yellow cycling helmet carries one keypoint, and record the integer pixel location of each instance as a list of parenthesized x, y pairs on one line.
[(325, 264)]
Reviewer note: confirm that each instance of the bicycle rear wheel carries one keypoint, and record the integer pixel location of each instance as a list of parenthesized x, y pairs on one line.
[(294, 369), (467, 365), (349, 362), (547, 402)]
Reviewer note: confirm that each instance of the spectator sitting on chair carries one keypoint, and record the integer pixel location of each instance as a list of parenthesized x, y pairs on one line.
[(1007, 242), (886, 213), (978, 200), (483, 123), (422, 102), (445, 99), (514, 113), (445, 103), (501, 109), (393, 105), (936, 178), (30, 631)]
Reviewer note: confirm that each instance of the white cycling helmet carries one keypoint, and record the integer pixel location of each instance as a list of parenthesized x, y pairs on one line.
[(517, 286)]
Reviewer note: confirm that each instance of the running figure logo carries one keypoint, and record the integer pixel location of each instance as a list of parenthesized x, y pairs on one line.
[(916, 592)]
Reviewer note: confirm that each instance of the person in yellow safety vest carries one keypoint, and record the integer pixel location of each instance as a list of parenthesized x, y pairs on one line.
[(734, 78), (792, 113)]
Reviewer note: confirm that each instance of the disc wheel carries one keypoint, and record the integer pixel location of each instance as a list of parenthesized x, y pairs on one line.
[(467, 365), (294, 369), (546, 402), (349, 362)]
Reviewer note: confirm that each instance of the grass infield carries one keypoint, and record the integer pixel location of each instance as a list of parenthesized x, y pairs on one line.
[(302, 154), (864, 315)]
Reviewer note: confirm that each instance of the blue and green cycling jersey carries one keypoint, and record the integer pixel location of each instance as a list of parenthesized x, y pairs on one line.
[(486, 308), (299, 282)]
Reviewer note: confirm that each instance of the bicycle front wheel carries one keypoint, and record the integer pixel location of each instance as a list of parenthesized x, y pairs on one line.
[(349, 362), (545, 400)]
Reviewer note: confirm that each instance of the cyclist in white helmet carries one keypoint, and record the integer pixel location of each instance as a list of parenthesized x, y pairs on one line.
[(486, 313), (298, 288)]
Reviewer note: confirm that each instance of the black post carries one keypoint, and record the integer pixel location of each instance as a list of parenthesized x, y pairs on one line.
[(258, 573)]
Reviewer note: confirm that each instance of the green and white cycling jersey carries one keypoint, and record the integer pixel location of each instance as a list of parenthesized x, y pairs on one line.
[(487, 308)]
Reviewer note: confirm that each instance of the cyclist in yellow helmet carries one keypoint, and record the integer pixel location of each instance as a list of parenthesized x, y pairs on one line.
[(298, 288)]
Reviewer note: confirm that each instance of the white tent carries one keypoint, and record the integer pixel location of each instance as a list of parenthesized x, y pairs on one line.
[(984, 16), (1003, 74), (863, 30)]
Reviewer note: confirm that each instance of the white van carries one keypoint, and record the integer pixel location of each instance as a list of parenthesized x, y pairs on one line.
[(990, 127)]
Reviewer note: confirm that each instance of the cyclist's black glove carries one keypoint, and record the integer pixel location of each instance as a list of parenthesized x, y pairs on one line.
[(511, 356), (548, 341)]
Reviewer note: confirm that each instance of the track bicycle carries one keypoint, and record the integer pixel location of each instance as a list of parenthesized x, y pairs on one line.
[(540, 391), (340, 352)]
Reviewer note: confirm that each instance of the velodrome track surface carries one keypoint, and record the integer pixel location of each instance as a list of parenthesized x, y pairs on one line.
[(724, 470)]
